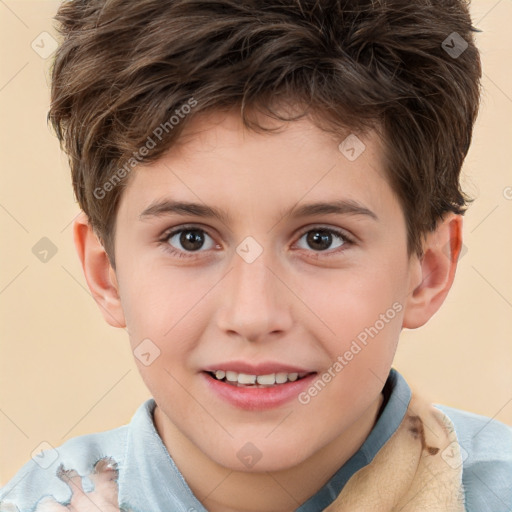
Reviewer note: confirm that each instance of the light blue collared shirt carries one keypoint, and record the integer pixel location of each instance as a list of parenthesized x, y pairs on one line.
[(149, 481)]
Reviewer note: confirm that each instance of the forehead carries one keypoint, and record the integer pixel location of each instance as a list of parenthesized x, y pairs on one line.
[(218, 160)]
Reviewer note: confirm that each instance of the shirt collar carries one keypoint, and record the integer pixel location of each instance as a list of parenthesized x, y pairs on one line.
[(147, 462), (397, 396)]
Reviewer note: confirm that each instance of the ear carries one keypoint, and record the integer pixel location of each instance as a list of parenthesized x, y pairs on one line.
[(433, 273), (98, 272)]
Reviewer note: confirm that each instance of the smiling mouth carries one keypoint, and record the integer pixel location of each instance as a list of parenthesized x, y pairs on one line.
[(256, 381)]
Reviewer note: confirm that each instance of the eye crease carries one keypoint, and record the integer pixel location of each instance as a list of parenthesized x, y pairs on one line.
[(192, 239), (320, 236), (188, 236)]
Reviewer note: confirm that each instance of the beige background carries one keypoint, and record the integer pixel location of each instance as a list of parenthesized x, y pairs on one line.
[(65, 372)]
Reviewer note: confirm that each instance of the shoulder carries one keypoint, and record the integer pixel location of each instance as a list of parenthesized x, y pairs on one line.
[(486, 448), (47, 477)]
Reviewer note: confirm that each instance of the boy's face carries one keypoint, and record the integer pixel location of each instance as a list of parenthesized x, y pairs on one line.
[(263, 290)]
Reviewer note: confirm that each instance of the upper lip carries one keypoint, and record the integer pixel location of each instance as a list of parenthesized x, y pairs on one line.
[(263, 368)]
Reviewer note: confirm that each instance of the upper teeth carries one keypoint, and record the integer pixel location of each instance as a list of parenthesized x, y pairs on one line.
[(266, 380)]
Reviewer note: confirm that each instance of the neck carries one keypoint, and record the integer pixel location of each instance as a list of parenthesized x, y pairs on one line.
[(223, 490)]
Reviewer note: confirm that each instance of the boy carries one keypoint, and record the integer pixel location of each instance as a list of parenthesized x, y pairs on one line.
[(311, 150)]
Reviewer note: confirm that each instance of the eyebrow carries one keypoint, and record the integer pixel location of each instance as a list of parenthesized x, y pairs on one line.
[(167, 207), (340, 207)]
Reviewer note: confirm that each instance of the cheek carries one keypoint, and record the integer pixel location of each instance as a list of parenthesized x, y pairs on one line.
[(165, 316), (156, 300), (361, 318), (346, 303), (364, 319)]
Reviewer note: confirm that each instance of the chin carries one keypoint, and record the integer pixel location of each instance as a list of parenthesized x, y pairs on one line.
[(259, 457)]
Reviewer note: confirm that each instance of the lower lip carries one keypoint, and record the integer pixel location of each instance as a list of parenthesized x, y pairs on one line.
[(255, 398)]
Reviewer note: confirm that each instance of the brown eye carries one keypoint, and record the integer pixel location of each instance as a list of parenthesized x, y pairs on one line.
[(189, 240), (323, 239), (320, 240)]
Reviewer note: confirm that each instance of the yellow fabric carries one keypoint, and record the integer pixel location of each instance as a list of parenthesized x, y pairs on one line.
[(419, 469)]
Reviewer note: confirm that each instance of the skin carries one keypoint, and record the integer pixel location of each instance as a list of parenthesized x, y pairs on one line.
[(295, 303)]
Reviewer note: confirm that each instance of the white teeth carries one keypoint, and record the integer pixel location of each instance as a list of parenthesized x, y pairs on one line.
[(232, 376), (267, 380), (246, 379), (281, 378), (243, 378)]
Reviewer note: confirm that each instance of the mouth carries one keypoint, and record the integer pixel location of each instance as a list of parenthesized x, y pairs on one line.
[(246, 380), (257, 387)]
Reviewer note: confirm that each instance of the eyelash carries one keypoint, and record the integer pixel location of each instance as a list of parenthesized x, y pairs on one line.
[(164, 241)]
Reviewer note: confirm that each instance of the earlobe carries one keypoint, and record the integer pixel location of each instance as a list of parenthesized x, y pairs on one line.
[(98, 272), (434, 272)]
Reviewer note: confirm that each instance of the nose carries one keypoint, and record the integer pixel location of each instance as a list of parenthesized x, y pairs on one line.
[(255, 300)]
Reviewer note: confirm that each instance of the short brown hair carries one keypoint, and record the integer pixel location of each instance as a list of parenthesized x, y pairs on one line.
[(408, 68)]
